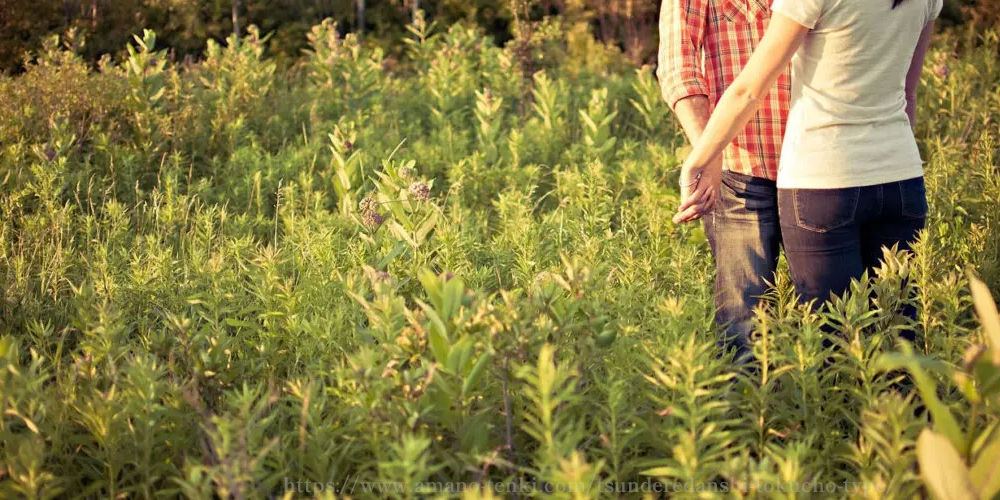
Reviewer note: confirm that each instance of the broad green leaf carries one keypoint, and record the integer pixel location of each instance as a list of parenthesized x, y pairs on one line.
[(985, 474), (661, 472), (452, 299), (400, 232), (940, 414), (477, 371), (986, 309), (432, 285), (426, 227), (438, 334), (238, 323), (942, 468), (396, 208), (985, 437), (987, 375), (458, 354), (398, 249), (6, 346)]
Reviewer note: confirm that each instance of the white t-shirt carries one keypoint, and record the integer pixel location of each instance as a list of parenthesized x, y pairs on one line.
[(847, 123)]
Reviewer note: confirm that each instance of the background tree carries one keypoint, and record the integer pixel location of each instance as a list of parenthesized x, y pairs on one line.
[(183, 26)]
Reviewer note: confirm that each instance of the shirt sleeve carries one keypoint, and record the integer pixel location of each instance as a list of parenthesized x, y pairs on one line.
[(935, 9), (682, 33), (805, 12)]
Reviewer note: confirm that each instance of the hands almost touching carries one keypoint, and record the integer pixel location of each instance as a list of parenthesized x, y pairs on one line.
[(699, 190)]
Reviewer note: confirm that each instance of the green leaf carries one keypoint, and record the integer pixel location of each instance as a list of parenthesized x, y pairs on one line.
[(985, 437), (452, 299), (606, 337), (238, 323), (438, 334), (985, 474), (986, 309), (477, 371), (398, 249), (432, 285), (6, 346), (942, 468), (940, 414), (664, 471), (426, 227), (459, 355), (400, 232), (987, 375), (446, 395)]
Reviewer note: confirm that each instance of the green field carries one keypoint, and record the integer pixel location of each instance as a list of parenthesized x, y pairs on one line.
[(402, 278)]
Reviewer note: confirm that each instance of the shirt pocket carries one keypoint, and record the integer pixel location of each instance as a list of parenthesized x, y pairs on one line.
[(744, 11)]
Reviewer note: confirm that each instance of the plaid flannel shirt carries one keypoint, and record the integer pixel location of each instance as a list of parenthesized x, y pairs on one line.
[(703, 46)]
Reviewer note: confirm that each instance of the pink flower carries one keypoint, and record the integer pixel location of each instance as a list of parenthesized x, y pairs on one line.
[(372, 220), (420, 191), (368, 204), (942, 70)]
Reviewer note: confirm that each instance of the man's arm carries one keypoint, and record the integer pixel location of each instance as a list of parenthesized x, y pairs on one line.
[(737, 105), (682, 32), (693, 113)]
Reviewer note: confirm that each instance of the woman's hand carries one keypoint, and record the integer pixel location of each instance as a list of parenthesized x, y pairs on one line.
[(735, 108), (699, 190)]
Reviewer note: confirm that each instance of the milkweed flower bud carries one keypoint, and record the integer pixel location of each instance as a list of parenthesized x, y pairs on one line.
[(372, 220), (368, 204), (406, 173), (420, 191), (942, 70)]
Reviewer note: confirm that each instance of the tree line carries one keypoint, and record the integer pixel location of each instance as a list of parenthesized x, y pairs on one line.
[(183, 26)]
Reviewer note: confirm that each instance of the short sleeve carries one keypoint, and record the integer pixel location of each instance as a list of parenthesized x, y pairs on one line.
[(935, 9), (804, 12)]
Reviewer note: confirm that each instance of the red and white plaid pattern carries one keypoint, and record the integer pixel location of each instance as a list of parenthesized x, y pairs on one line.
[(703, 46)]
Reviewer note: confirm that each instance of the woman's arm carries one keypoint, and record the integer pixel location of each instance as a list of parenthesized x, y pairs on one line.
[(913, 75), (738, 104)]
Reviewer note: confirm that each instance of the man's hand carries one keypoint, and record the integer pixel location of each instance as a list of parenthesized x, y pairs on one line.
[(693, 113), (699, 190)]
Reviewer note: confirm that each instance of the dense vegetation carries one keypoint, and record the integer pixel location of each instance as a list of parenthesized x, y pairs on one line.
[(183, 26), (225, 279)]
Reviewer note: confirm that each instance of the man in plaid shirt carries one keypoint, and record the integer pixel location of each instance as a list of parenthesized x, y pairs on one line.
[(703, 46)]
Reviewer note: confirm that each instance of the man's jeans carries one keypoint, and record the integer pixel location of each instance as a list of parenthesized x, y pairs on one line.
[(833, 235), (744, 234)]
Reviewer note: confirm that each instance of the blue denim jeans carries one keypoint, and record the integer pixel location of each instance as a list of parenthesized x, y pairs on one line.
[(832, 236), (745, 237)]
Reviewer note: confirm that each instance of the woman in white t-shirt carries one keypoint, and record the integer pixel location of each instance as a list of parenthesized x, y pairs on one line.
[(850, 179)]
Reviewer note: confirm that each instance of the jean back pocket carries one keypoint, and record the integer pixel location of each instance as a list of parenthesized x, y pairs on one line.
[(913, 197), (823, 210)]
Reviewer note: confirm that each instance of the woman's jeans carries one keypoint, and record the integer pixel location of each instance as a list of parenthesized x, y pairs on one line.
[(832, 236)]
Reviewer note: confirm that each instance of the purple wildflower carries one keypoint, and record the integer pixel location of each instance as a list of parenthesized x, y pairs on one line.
[(420, 191)]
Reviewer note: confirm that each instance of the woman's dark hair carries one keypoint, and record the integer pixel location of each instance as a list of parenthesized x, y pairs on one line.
[(895, 3)]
